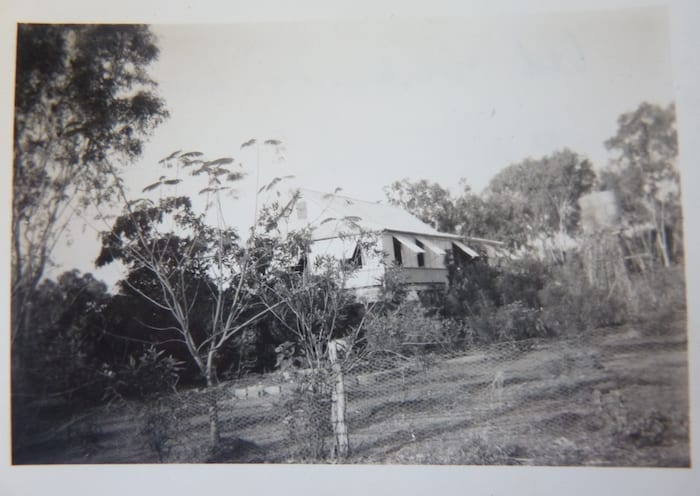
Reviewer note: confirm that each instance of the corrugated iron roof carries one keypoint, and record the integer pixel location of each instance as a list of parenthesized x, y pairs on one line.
[(337, 209)]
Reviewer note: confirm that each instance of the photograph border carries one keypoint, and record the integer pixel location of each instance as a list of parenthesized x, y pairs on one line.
[(185, 479)]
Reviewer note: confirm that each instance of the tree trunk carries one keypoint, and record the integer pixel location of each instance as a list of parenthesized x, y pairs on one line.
[(340, 428), (663, 248), (661, 237), (212, 393)]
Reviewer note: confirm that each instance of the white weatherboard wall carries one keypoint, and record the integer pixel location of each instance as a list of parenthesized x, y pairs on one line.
[(339, 223), (342, 248)]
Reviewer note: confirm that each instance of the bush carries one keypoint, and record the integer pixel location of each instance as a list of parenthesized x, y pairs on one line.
[(576, 306), (478, 289), (472, 289), (308, 418), (411, 330), (572, 304), (159, 427), (658, 298), (511, 322), (648, 429), (149, 373), (521, 281), (650, 299)]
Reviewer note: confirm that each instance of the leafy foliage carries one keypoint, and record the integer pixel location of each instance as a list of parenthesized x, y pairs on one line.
[(315, 308), (464, 213), (149, 373), (307, 420), (83, 102), (644, 176), (524, 201), (410, 329), (202, 279), (60, 357), (428, 201), (510, 322), (541, 195), (184, 272), (479, 286)]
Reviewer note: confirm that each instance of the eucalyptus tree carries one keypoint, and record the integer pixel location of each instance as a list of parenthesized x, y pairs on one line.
[(84, 104), (546, 190), (644, 174), (429, 201)]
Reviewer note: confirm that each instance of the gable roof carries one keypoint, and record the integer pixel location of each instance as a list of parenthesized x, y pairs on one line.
[(331, 214)]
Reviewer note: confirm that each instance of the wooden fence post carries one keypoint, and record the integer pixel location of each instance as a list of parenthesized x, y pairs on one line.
[(340, 428)]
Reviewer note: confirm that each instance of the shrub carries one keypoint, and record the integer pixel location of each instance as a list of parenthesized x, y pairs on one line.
[(149, 373), (472, 289), (521, 281), (392, 291), (477, 287), (579, 307), (657, 299), (158, 429), (649, 429), (411, 330), (308, 419), (511, 322), (651, 298), (571, 303)]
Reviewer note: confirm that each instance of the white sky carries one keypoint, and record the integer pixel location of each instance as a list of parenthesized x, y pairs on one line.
[(359, 104)]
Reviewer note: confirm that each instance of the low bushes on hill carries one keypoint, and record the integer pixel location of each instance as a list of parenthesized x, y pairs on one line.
[(410, 329)]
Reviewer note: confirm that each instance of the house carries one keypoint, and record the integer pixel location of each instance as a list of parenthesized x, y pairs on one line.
[(374, 236)]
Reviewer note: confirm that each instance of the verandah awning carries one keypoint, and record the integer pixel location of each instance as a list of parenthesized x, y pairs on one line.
[(465, 249), (408, 244), (432, 246)]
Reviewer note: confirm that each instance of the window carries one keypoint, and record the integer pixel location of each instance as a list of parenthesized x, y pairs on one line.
[(421, 256), (300, 267), (397, 252), (432, 246), (356, 259), (408, 244)]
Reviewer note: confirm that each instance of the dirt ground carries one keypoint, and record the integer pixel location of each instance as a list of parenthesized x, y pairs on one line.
[(621, 402), (616, 397)]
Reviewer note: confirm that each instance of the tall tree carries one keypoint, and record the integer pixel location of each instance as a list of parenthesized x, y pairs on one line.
[(462, 213), (84, 103), (428, 201), (644, 175), (544, 193)]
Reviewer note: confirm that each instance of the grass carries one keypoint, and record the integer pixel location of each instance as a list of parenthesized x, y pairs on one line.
[(617, 397)]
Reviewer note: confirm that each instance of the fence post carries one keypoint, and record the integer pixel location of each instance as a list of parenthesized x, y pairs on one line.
[(340, 428)]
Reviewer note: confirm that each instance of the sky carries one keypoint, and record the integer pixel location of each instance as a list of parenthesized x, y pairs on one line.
[(360, 104)]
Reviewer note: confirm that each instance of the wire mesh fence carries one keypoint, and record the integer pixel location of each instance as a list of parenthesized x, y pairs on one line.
[(604, 398)]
